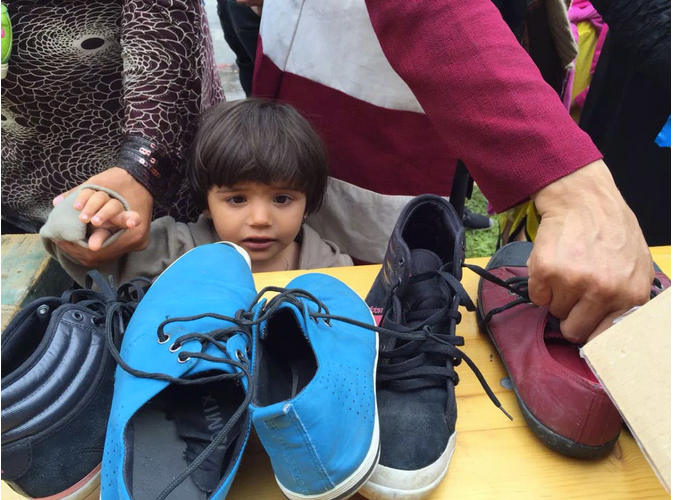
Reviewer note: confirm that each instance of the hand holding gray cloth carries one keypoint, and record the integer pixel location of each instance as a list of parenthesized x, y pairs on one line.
[(63, 223)]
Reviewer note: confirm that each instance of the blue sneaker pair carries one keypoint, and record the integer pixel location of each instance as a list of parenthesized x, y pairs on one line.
[(199, 364)]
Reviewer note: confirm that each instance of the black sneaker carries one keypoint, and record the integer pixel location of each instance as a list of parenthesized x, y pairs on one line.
[(474, 221), (417, 293), (57, 380)]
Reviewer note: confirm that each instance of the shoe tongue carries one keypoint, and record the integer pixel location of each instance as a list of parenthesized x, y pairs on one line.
[(199, 419), (424, 294), (423, 260)]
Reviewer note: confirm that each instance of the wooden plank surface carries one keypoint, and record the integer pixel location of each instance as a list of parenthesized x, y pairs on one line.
[(494, 458), (27, 273)]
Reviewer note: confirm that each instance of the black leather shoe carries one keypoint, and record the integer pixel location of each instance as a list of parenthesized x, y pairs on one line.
[(57, 381)]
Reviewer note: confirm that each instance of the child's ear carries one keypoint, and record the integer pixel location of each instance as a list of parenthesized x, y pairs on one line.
[(207, 213), (304, 219)]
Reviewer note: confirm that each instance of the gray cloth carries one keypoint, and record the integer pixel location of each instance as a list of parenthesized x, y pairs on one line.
[(63, 223), (170, 239)]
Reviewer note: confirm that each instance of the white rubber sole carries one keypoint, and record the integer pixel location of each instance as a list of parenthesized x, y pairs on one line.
[(353, 483), (394, 484), (350, 486)]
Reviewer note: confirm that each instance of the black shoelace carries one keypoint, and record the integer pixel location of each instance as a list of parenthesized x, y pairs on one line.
[(217, 338), (423, 340), (243, 321), (658, 288), (518, 286), (100, 301)]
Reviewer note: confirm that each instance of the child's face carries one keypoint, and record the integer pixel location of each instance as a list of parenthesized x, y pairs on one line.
[(263, 219)]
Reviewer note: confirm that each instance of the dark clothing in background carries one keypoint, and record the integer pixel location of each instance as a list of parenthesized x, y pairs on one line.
[(113, 69), (629, 102), (241, 30)]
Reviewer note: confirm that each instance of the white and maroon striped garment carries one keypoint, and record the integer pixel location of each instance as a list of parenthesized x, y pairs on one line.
[(400, 90)]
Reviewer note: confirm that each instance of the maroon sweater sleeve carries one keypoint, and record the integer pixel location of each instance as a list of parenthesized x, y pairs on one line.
[(483, 94)]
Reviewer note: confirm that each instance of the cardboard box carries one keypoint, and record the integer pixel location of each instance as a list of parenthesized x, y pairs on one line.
[(632, 360)]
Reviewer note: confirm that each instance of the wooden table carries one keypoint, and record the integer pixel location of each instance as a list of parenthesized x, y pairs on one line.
[(494, 458), (27, 273)]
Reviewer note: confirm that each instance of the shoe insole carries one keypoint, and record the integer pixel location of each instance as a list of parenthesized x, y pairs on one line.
[(287, 378), (286, 362), (158, 458), (168, 433)]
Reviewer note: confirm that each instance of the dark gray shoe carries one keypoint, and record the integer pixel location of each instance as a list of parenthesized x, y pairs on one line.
[(417, 295)]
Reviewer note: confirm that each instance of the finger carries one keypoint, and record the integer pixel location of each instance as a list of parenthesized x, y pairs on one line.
[(606, 323), (583, 319), (540, 293), (62, 196), (563, 299), (109, 210), (97, 201), (98, 237), (82, 197), (129, 219), (539, 284)]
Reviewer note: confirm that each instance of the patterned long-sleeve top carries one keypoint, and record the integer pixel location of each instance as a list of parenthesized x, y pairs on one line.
[(85, 76)]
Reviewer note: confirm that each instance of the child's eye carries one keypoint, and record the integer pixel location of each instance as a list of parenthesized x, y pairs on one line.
[(236, 200), (282, 199)]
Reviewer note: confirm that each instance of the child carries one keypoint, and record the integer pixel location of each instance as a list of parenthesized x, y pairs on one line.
[(257, 170)]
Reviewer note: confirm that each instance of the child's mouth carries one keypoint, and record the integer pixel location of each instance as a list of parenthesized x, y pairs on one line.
[(258, 243)]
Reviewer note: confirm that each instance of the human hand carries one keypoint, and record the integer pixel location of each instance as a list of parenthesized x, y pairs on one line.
[(105, 215), (109, 216), (590, 262)]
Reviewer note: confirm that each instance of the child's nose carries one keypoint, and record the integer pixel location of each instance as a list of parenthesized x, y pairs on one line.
[(260, 215)]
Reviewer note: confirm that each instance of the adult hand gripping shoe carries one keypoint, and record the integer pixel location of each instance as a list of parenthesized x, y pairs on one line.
[(179, 420), (417, 294), (314, 406), (57, 378), (560, 398)]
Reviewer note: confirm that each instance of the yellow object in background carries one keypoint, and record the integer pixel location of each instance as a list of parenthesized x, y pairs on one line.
[(523, 216), (588, 36)]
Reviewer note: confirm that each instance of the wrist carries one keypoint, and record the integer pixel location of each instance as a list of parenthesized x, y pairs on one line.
[(580, 188), (149, 164)]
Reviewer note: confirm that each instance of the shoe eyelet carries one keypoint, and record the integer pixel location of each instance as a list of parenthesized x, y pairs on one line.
[(510, 292), (77, 316), (327, 322), (240, 356), (401, 262), (248, 351), (181, 360), (166, 339), (314, 319), (657, 285), (43, 310), (94, 321), (174, 348)]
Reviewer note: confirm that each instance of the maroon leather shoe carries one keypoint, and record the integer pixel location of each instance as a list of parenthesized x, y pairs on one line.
[(560, 398)]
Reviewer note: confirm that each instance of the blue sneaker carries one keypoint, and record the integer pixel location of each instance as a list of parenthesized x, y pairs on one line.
[(179, 420), (314, 406)]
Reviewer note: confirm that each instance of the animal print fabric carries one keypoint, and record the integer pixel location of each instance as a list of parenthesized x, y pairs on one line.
[(82, 75)]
